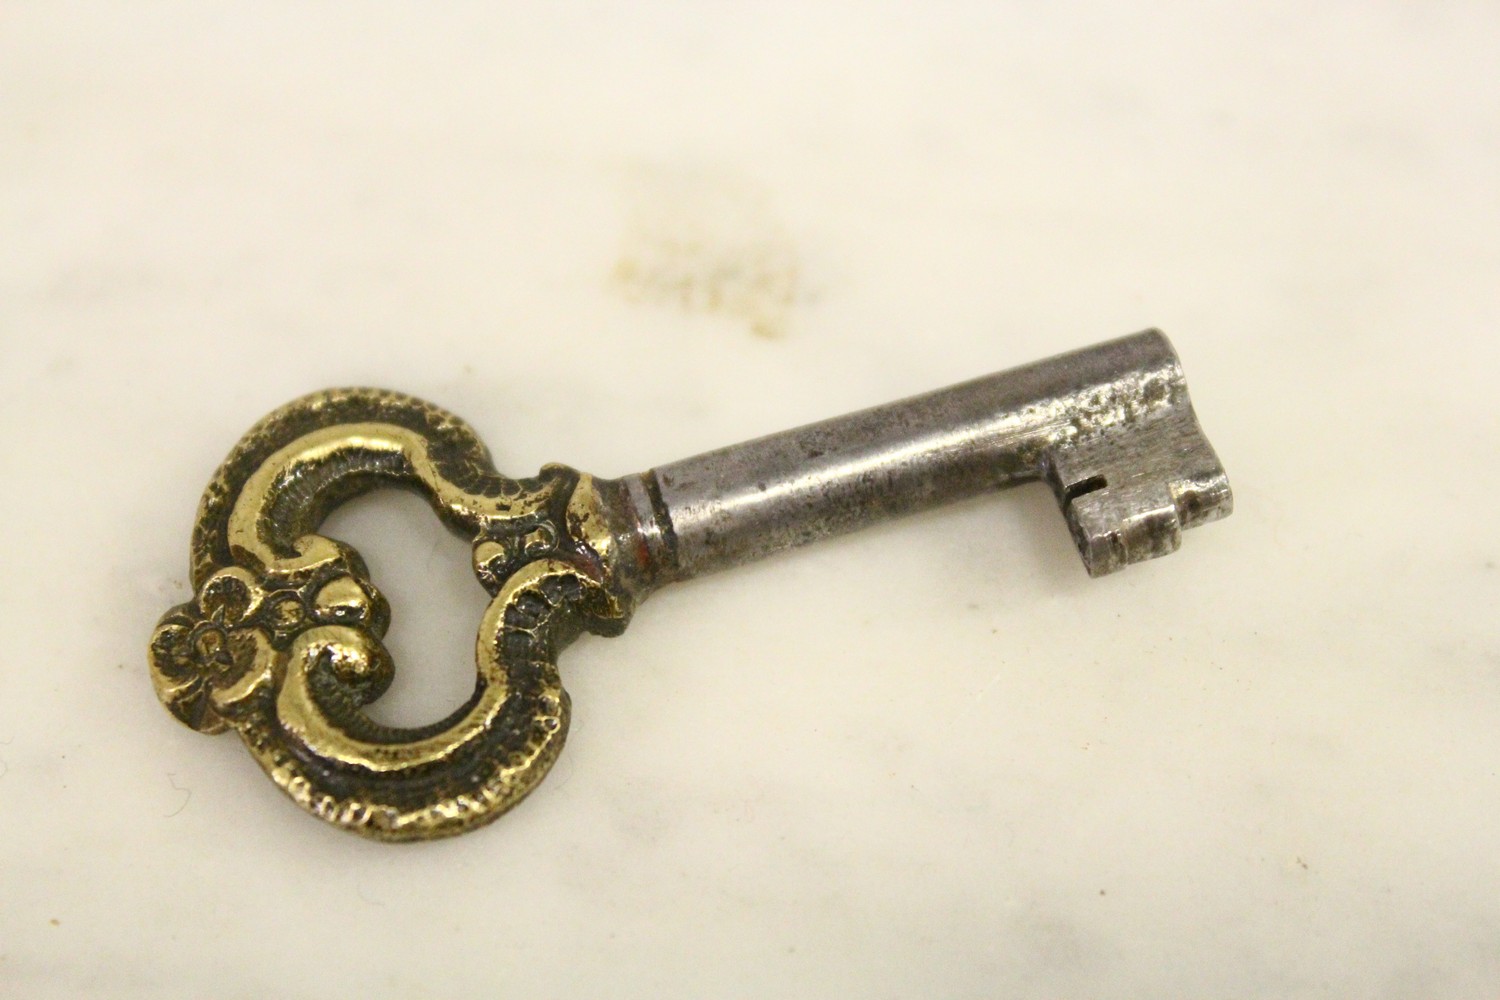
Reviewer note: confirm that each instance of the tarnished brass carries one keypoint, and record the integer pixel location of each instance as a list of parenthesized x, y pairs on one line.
[(282, 640)]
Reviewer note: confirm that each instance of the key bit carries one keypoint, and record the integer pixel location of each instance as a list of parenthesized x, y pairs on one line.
[(282, 640)]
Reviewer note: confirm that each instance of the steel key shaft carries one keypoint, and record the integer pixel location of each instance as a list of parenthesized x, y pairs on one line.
[(1110, 427), (282, 640)]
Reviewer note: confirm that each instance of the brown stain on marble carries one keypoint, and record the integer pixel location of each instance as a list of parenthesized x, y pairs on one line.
[(707, 243)]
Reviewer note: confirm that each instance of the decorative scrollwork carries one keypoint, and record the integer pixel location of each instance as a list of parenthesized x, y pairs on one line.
[(282, 641)]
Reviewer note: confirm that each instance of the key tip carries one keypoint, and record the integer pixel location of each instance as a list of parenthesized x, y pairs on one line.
[(1129, 501)]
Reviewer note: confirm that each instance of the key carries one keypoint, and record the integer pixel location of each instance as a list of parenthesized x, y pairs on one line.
[(282, 639)]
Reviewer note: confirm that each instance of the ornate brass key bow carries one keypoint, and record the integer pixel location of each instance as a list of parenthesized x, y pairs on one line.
[(282, 641)]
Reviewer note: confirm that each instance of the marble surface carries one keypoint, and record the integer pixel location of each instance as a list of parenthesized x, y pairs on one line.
[(932, 760)]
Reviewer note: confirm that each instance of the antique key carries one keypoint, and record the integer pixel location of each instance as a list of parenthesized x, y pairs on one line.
[(282, 641)]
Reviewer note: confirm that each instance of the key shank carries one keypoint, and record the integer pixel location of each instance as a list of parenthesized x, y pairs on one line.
[(1110, 427)]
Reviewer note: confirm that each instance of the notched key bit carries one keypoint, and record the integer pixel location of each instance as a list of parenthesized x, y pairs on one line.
[(282, 641)]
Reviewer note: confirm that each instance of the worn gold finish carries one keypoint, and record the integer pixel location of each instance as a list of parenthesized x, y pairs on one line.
[(283, 641)]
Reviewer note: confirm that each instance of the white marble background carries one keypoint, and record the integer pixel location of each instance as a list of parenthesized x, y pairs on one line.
[(933, 760)]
